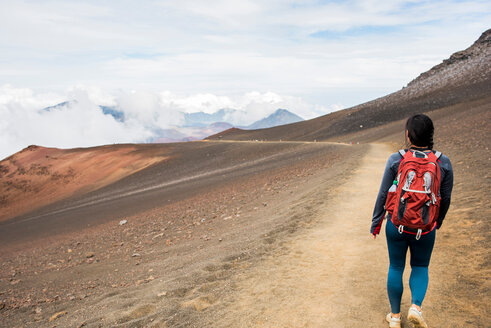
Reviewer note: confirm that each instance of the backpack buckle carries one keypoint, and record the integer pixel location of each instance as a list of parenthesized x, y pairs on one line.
[(418, 234), (421, 153), (400, 229)]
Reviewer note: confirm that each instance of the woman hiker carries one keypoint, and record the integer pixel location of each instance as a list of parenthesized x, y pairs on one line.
[(413, 215)]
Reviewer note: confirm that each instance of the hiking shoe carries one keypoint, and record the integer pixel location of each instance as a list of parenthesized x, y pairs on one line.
[(393, 322), (416, 318)]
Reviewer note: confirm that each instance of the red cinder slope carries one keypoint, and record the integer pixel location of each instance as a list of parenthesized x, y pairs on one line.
[(37, 176)]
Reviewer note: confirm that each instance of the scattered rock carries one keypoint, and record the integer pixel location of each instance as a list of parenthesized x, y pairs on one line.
[(162, 294), (57, 315), (15, 282), (158, 235), (69, 250), (83, 324), (203, 219), (265, 204), (89, 255), (38, 310), (136, 255), (220, 239), (123, 222)]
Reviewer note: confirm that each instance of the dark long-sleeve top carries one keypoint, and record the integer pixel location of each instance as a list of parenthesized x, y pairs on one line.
[(390, 173)]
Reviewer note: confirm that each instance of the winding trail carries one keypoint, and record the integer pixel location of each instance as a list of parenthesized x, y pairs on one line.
[(332, 274)]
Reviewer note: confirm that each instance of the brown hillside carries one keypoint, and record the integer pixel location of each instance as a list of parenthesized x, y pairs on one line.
[(37, 176)]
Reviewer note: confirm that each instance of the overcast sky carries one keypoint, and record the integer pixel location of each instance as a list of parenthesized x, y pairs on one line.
[(154, 59)]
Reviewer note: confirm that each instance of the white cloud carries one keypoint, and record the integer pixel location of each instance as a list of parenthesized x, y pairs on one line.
[(82, 123), (227, 47), (202, 102), (94, 94), (254, 106), (79, 124), (225, 11), (25, 98), (149, 109)]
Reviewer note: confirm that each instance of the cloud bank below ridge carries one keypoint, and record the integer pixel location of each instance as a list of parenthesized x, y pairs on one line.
[(82, 123)]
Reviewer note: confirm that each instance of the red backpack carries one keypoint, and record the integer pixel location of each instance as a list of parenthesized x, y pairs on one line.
[(413, 201)]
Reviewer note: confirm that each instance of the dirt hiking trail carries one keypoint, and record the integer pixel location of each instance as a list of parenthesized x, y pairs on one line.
[(332, 274)]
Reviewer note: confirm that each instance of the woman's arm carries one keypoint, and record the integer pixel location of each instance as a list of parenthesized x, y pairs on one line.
[(446, 187)]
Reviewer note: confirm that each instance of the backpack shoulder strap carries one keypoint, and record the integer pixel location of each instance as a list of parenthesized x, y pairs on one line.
[(402, 152), (438, 154)]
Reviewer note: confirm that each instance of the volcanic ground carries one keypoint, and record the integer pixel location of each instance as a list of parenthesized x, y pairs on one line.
[(266, 228)]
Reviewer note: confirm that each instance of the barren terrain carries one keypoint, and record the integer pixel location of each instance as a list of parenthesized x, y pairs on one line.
[(39, 176), (245, 233)]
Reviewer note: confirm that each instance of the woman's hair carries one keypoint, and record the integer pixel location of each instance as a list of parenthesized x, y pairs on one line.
[(420, 130)]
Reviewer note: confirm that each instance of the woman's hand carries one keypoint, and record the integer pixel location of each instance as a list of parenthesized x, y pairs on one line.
[(374, 236)]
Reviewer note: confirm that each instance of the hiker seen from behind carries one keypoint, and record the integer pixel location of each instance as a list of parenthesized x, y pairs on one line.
[(415, 194)]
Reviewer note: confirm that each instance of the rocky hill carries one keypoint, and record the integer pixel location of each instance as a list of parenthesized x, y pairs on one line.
[(465, 76)]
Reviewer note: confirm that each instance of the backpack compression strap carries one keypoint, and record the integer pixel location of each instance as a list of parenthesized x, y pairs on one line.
[(437, 153)]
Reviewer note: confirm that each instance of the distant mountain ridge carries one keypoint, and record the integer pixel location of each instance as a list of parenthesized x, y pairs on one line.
[(197, 125), (279, 117), (106, 110), (202, 119)]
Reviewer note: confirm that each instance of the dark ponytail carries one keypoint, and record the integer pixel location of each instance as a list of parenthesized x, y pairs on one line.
[(420, 130)]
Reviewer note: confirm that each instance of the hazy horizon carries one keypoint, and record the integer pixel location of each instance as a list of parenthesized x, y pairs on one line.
[(155, 59)]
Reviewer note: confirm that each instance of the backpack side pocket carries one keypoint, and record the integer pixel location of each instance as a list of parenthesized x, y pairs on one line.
[(390, 203)]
